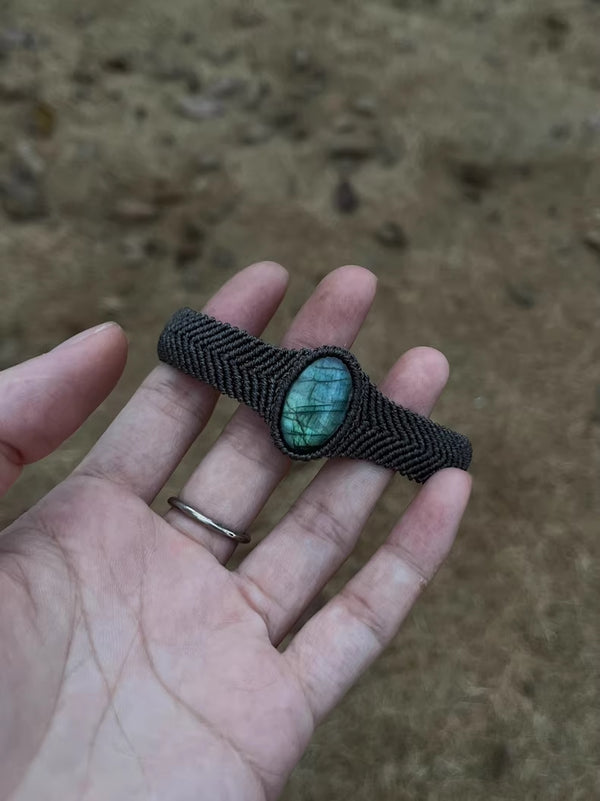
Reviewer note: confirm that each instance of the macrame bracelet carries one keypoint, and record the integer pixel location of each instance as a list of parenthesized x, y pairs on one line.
[(317, 403)]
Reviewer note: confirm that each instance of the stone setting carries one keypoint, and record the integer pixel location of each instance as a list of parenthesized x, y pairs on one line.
[(316, 404)]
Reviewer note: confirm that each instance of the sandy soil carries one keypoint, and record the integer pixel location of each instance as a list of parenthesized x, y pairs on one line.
[(149, 150)]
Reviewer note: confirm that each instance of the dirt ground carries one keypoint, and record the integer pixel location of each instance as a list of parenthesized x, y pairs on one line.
[(148, 150)]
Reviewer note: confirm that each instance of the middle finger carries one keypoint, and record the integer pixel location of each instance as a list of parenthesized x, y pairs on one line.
[(239, 473)]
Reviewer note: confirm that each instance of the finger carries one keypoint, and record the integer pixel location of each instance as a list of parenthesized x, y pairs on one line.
[(288, 569), (235, 479), (45, 400), (150, 436), (342, 639)]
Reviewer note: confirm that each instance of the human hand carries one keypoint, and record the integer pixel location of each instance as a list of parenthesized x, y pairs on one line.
[(133, 663)]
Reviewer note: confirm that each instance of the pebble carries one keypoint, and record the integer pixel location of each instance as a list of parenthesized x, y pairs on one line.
[(345, 197), (119, 63), (22, 194), (208, 163), (247, 18), (17, 39), (132, 210), (226, 87), (179, 74), (365, 106), (391, 149), (392, 235), (355, 147), (43, 119), (596, 408), (345, 124), (255, 134), (84, 76), (222, 258), (256, 94), (29, 159), (301, 59), (283, 113), (134, 250), (475, 178), (592, 240), (200, 107), (521, 295)]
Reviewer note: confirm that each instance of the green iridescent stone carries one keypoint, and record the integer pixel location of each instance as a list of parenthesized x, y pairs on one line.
[(316, 404)]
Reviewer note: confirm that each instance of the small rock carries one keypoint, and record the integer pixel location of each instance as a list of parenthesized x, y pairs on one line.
[(475, 178), (255, 134), (167, 139), (17, 83), (191, 243), (119, 63), (84, 76), (164, 191), (44, 119), (247, 18), (112, 304), (29, 159), (301, 59), (561, 130), (257, 94), (177, 73), (22, 194), (391, 148), (222, 258), (596, 408), (365, 106), (592, 240), (392, 235), (355, 147), (344, 124), (283, 114), (17, 39), (557, 28), (345, 197), (221, 55), (134, 250), (208, 163), (226, 87), (521, 295), (200, 107), (132, 210)]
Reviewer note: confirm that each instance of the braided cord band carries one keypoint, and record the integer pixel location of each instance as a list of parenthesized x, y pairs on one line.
[(261, 376)]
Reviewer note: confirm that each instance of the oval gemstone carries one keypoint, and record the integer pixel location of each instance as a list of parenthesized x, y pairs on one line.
[(316, 404)]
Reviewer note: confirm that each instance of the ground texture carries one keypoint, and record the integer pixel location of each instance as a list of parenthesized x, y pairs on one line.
[(148, 150)]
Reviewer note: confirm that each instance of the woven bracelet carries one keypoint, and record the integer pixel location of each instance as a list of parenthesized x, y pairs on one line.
[(317, 403)]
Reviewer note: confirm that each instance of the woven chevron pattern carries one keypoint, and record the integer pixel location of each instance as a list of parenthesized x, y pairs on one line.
[(254, 373)]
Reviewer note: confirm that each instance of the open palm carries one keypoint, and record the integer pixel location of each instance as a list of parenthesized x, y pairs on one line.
[(133, 663)]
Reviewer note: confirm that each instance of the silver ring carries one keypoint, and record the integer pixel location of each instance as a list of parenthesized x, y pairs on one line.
[(198, 517)]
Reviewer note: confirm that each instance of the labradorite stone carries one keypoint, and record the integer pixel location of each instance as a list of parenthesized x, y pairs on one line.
[(316, 404)]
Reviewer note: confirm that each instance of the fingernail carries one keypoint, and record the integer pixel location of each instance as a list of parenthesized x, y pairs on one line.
[(90, 332)]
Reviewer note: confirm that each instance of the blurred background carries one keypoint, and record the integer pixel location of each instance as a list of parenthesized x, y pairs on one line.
[(148, 150)]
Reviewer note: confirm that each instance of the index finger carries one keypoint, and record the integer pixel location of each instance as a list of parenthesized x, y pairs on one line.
[(150, 436)]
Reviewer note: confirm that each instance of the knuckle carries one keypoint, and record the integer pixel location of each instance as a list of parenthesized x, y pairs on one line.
[(317, 519), (360, 609)]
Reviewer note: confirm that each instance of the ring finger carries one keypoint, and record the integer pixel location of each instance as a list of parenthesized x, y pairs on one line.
[(287, 570)]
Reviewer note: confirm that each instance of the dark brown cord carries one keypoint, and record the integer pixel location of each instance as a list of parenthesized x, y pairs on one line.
[(259, 375)]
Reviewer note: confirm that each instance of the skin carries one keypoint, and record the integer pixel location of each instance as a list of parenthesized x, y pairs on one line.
[(133, 663)]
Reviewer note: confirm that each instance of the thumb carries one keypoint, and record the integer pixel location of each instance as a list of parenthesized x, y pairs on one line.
[(45, 400)]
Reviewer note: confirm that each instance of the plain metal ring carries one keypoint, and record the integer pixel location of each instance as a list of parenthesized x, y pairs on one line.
[(198, 517)]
